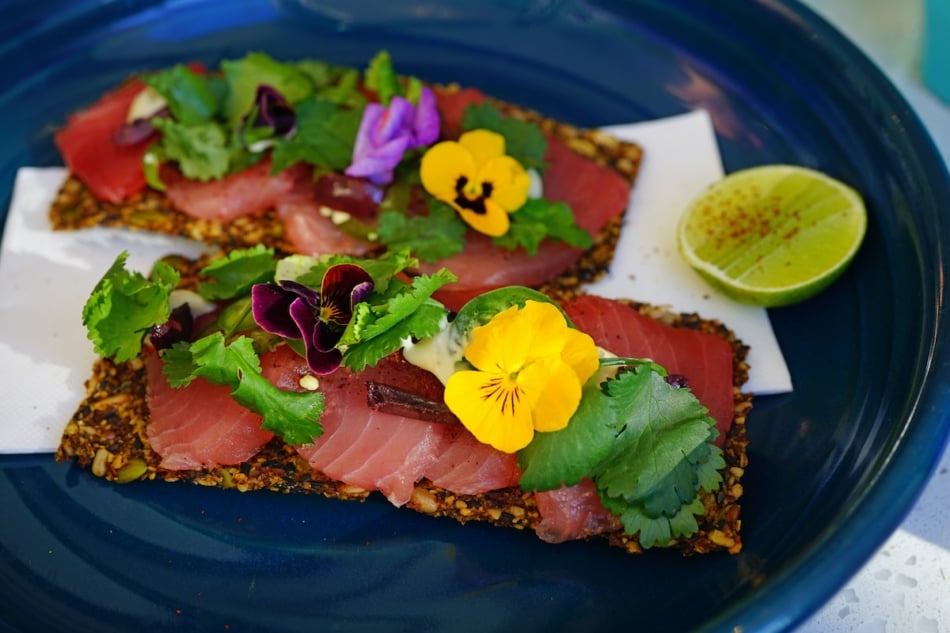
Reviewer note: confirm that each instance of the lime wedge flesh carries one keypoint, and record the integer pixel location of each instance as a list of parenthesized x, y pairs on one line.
[(773, 235)]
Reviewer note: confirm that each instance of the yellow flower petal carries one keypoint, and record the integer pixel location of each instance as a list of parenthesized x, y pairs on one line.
[(545, 325), (499, 345), (494, 222), (580, 353), (558, 393), (490, 409), (510, 182), (484, 145), (442, 166)]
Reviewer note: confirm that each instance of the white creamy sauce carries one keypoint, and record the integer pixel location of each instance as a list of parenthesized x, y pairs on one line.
[(439, 354)]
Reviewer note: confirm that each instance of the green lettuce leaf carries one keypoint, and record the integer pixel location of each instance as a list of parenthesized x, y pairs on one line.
[(124, 306), (294, 415)]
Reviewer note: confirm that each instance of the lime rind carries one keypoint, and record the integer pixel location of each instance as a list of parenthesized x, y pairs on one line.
[(773, 235)]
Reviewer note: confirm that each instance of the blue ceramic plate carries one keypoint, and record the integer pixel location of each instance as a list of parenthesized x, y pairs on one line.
[(834, 467)]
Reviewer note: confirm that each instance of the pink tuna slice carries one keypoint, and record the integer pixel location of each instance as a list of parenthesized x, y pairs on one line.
[(249, 191), (371, 449), (199, 426), (391, 453), (705, 359), (309, 230), (573, 512), (469, 467)]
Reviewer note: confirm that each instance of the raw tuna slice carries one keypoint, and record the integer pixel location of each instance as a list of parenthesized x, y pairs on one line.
[(199, 426), (112, 172), (469, 467), (251, 190), (705, 359), (371, 449), (573, 512), (309, 228)]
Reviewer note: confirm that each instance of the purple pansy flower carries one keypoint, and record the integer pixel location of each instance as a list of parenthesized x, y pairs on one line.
[(296, 311), (386, 133), (273, 110)]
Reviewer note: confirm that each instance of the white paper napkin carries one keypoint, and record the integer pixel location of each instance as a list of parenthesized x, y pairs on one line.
[(45, 277)]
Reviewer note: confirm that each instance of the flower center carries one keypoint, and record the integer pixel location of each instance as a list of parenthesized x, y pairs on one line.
[(504, 391), (329, 313), (470, 196)]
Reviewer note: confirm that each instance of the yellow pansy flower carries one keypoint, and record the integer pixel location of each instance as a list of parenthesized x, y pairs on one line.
[(477, 178), (529, 369)]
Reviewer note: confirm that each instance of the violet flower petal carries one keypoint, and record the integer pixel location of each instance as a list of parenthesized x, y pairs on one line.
[(336, 291), (425, 127), (395, 122), (360, 293), (326, 336), (270, 306), (305, 320), (378, 166), (310, 296), (323, 363), (322, 356)]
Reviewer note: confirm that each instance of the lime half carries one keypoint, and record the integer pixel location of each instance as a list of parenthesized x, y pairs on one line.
[(773, 235)]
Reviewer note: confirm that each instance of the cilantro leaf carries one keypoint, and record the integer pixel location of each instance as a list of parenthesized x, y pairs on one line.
[(653, 531), (325, 137), (345, 90), (244, 75), (233, 275), (644, 443), (202, 150), (381, 77), (538, 219), (650, 458), (439, 235), (565, 457), (377, 331), (291, 414), (191, 98), (124, 306), (524, 141)]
